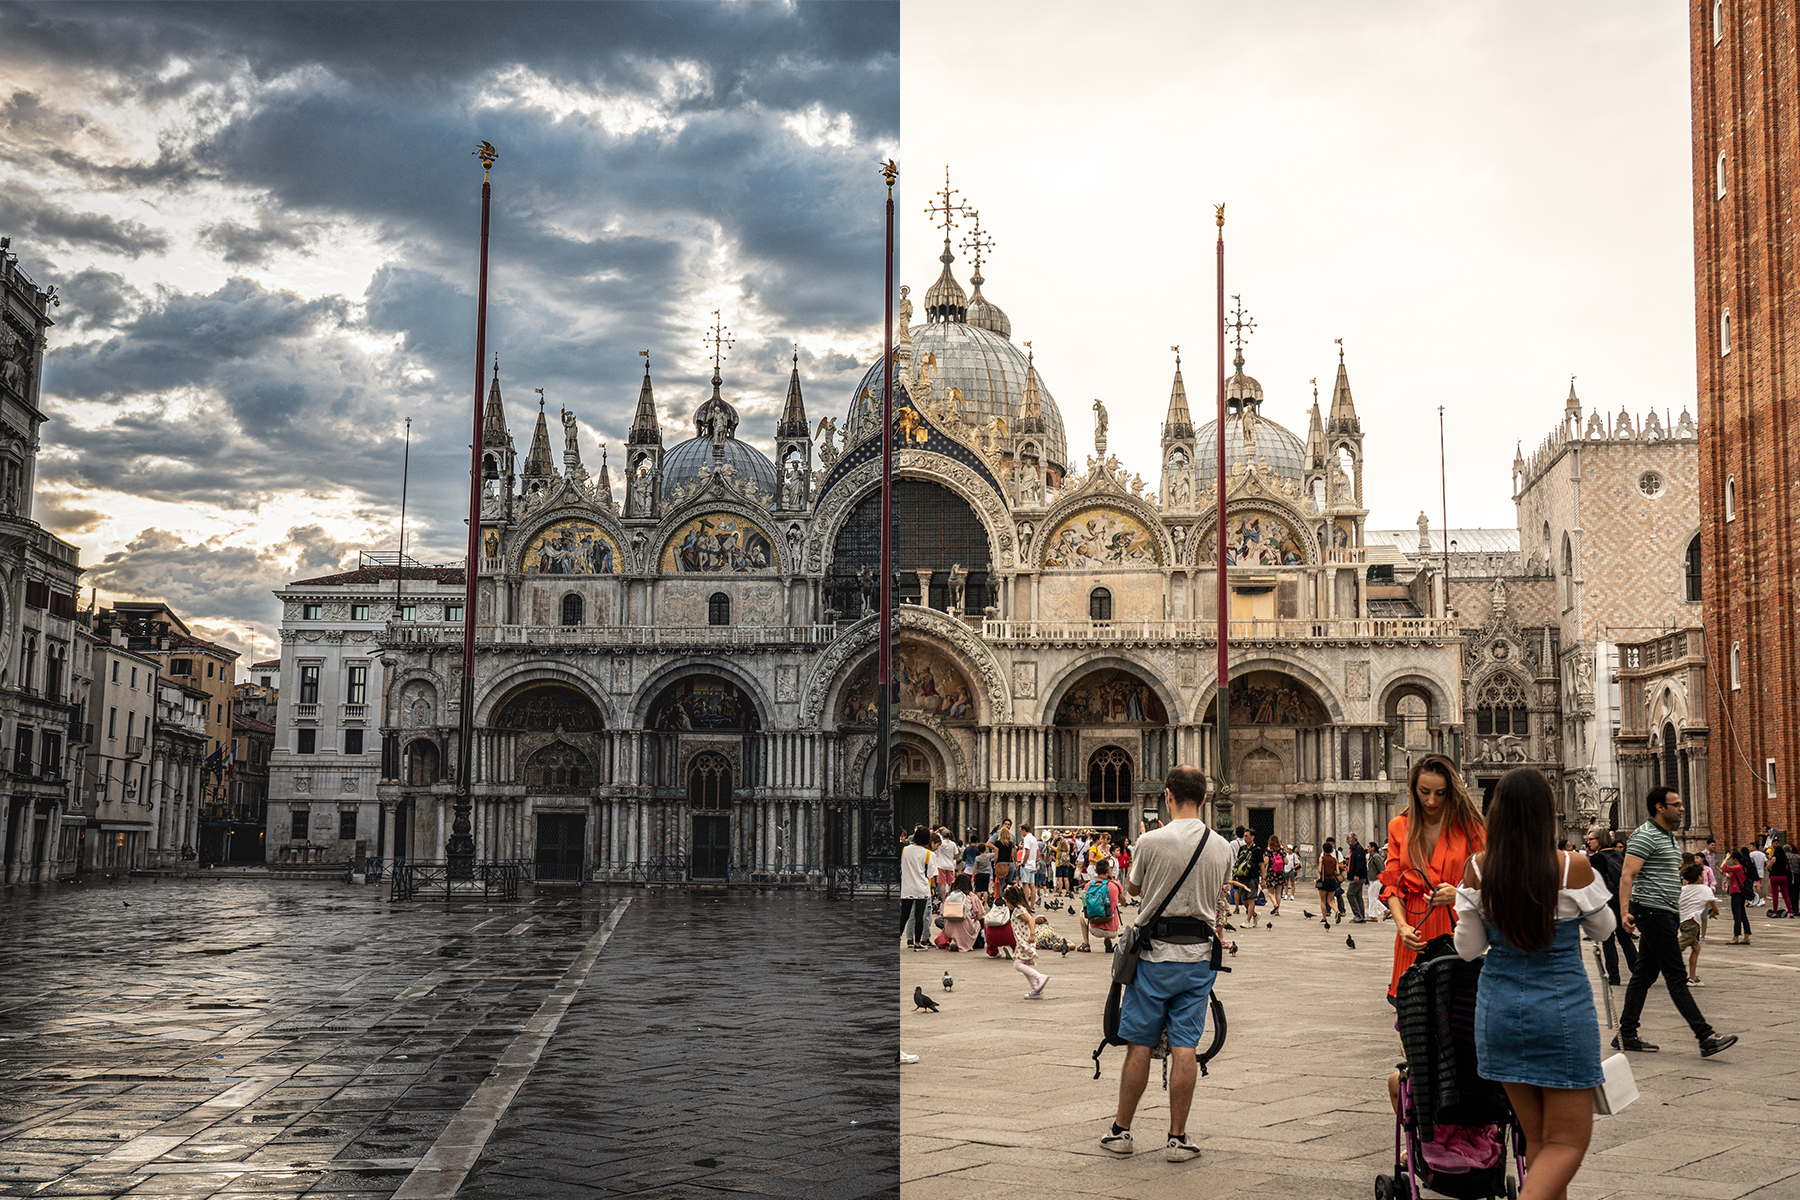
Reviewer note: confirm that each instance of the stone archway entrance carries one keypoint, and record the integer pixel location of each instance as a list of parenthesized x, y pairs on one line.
[(709, 802), (1280, 757), (1110, 791), (912, 777)]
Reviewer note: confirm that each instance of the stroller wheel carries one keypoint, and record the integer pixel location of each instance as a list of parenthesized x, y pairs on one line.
[(1384, 1187), (1512, 1189)]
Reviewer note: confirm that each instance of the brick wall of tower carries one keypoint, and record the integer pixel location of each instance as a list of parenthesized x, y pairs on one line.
[(1744, 88)]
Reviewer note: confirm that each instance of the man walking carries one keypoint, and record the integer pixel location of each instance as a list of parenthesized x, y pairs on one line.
[(1760, 861), (1356, 873), (1175, 975), (1028, 870), (1650, 895)]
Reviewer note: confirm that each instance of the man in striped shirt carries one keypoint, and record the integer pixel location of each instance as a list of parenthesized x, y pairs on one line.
[(1650, 898)]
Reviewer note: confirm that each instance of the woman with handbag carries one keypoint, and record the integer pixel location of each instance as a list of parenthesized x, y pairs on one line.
[(962, 916), (1275, 874), (1525, 905), (1429, 844), (915, 892)]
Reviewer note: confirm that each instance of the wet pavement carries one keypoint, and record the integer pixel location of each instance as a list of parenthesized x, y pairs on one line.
[(280, 1038)]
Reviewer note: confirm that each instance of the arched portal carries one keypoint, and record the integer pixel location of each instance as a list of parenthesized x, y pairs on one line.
[(913, 776), (422, 763), (940, 531), (709, 802), (1109, 791), (1281, 744)]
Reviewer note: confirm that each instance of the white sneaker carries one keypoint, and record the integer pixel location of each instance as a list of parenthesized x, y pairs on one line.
[(1118, 1143), (1180, 1149)]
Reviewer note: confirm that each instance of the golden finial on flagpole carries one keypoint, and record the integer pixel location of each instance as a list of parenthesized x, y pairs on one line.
[(488, 156), (890, 171), (1219, 215)]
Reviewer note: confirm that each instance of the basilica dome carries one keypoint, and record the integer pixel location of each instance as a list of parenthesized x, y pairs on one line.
[(987, 368), (1285, 453), (682, 463)]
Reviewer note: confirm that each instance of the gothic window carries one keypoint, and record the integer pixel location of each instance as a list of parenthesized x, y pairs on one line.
[(939, 531), (1109, 777), (1719, 175), (1568, 573), (1100, 605), (709, 782), (1731, 497), (718, 609), (1737, 668), (1725, 333), (571, 609), (1500, 709), (558, 767), (1693, 570), (1671, 775), (1718, 21)]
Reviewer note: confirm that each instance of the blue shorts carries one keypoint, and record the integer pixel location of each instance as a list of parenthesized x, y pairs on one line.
[(1170, 994)]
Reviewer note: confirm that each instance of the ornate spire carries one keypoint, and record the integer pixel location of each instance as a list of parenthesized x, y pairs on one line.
[(538, 463), (603, 484), (1241, 390), (982, 312), (1343, 409), (1573, 403), (1315, 433), (1031, 412), (945, 299), (493, 420), (793, 415), (1178, 423), (646, 429)]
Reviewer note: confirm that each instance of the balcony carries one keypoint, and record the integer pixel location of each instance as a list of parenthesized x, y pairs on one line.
[(1352, 629), (1340, 556), (354, 714), (81, 734), (493, 566), (306, 712), (134, 747), (414, 634)]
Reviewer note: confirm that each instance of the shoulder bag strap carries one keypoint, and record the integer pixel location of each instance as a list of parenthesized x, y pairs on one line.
[(1205, 833)]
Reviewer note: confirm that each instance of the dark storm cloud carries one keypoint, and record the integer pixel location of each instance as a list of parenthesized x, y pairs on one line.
[(323, 115)]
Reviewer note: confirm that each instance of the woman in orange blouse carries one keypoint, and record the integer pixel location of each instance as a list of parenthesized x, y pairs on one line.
[(1428, 846)]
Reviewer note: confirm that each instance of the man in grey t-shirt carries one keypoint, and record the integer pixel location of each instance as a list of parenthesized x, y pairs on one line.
[(1174, 974)]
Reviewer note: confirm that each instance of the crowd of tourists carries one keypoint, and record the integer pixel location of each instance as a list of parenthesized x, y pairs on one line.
[(1452, 881)]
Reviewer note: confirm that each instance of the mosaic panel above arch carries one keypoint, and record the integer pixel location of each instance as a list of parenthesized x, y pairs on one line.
[(927, 679), (1101, 537), (568, 547), (1272, 698), (703, 702), (720, 544), (1110, 696), (1258, 539), (548, 707)]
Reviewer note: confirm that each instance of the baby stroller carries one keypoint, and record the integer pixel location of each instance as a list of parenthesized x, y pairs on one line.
[(1458, 1130)]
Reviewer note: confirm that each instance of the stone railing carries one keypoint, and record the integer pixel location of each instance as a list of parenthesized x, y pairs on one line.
[(411, 633), (1361, 629)]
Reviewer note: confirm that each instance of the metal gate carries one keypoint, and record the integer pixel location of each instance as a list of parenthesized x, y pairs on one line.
[(712, 845)]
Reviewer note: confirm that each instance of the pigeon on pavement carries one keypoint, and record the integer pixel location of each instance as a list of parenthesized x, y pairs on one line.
[(1271, 923), (922, 1001), (948, 982), (1350, 941), (1306, 914), (1232, 949)]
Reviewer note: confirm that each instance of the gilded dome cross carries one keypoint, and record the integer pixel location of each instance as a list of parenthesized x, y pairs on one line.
[(946, 209), (1240, 325), (975, 243), (720, 339)]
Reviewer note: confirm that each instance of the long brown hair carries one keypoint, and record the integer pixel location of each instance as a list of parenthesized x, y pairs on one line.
[(1459, 810), (1519, 876)]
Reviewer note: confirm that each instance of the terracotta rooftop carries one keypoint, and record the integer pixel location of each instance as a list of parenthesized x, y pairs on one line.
[(274, 664), (250, 725)]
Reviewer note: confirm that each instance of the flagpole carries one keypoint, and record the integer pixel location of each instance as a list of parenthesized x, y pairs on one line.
[(459, 850), (884, 706), (1222, 798)]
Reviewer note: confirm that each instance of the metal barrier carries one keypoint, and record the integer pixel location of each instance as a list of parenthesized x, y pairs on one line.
[(412, 879), (667, 868), (776, 875), (843, 883)]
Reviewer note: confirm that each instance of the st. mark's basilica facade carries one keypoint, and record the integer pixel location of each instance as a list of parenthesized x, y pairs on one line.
[(685, 683)]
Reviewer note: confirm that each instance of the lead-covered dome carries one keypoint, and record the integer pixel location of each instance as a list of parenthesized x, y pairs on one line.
[(682, 463), (1286, 454), (986, 367)]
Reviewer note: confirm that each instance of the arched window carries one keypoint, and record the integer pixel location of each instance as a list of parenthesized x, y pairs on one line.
[(1693, 570), (1737, 668), (1731, 497), (421, 763), (1568, 556), (718, 609), (1500, 709), (709, 782), (1099, 605), (1718, 21), (1109, 777), (558, 767), (1671, 769), (1725, 333), (571, 609)]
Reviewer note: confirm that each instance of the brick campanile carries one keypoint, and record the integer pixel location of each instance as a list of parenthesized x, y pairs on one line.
[(1746, 131)]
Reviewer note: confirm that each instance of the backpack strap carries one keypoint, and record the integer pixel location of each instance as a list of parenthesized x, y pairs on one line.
[(1205, 833)]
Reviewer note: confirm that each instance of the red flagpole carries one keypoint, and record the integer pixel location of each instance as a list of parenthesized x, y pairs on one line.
[(1222, 697), (884, 703), (459, 849)]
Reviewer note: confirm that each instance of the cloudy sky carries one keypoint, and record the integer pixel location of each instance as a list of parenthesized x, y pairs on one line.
[(1480, 198), (262, 223)]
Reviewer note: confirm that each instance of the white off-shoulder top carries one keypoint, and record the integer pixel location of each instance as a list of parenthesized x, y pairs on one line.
[(1589, 905)]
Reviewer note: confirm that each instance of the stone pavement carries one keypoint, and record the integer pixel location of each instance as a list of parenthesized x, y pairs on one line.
[(278, 1039), (1003, 1101)]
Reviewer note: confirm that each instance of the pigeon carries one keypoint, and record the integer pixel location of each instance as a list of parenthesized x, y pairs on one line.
[(1228, 924), (1350, 941), (1306, 914), (1271, 923), (1232, 949), (1072, 907), (126, 903), (948, 982), (923, 1002)]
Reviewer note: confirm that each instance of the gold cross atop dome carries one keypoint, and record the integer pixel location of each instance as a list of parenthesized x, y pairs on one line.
[(947, 210), (1240, 326), (975, 243), (719, 339)]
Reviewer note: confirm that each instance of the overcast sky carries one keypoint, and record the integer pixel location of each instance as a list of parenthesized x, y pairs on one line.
[(1481, 199), (262, 221)]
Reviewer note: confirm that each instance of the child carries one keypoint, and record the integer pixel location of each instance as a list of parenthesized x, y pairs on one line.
[(1110, 900), (1024, 941), (1696, 903)]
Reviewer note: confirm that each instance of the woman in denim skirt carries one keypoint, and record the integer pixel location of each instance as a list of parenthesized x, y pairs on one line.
[(1526, 904)]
